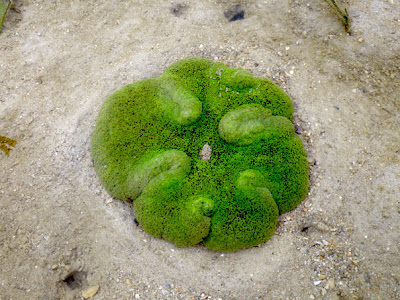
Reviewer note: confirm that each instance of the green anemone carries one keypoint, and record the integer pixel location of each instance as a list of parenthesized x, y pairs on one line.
[(146, 148)]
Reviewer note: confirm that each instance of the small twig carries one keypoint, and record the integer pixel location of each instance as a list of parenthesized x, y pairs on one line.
[(6, 143), (343, 15), (4, 6)]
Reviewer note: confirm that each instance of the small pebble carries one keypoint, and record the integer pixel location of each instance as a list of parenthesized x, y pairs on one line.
[(205, 153), (317, 282), (360, 40), (331, 283), (90, 291), (322, 227)]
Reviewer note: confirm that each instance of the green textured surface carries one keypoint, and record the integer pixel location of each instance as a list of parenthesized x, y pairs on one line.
[(146, 147)]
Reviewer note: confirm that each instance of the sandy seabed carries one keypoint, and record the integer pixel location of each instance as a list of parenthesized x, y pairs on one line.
[(61, 233)]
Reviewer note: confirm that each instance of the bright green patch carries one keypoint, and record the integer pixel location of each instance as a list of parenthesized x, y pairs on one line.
[(146, 148)]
